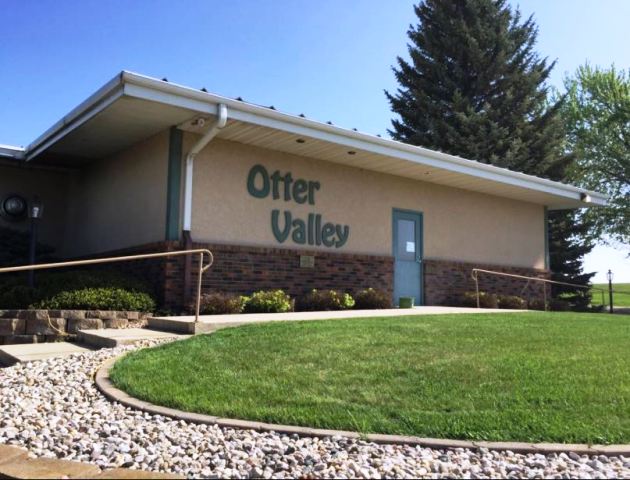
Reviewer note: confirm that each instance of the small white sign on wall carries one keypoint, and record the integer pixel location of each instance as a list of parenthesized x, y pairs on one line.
[(411, 247)]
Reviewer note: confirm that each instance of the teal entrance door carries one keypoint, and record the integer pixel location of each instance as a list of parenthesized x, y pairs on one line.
[(407, 231)]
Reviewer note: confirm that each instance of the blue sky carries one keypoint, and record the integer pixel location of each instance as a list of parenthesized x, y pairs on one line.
[(328, 59)]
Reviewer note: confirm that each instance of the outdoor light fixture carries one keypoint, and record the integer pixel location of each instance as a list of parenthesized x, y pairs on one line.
[(609, 276), (35, 213), (37, 209), (585, 197), (13, 207)]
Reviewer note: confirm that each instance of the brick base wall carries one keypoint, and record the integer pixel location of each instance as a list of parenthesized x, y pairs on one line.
[(445, 281), (243, 269)]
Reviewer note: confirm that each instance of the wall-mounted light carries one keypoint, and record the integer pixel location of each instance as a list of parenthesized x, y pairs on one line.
[(585, 197), (13, 207), (37, 209)]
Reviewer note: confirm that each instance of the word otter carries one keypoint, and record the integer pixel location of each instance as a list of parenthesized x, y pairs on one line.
[(312, 230), (300, 190)]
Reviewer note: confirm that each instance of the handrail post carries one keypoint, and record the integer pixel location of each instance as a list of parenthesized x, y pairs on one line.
[(198, 303), (126, 258), (476, 286)]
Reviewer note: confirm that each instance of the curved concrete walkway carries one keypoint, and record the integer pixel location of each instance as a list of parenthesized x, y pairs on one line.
[(210, 323), (105, 385)]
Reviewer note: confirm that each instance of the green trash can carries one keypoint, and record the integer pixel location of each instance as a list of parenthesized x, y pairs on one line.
[(406, 302)]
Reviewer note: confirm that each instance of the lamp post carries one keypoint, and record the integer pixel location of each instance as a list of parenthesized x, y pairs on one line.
[(609, 275), (35, 213)]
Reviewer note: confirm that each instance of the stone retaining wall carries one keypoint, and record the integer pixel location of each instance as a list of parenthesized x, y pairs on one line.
[(34, 326)]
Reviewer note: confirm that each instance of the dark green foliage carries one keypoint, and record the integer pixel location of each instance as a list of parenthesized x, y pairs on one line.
[(324, 300), (566, 253), (268, 301), (486, 300), (559, 305), (14, 248), (536, 304), (511, 301), (371, 298), (15, 294), (218, 303), (475, 87), (99, 299)]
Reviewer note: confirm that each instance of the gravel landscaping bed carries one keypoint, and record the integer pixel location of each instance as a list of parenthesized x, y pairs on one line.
[(53, 408)]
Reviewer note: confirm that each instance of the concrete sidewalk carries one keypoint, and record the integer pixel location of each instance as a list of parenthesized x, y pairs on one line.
[(210, 323)]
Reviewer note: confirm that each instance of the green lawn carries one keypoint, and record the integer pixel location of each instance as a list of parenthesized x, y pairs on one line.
[(561, 377), (619, 299)]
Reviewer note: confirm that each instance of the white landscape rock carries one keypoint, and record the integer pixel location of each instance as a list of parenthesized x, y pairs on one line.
[(53, 408)]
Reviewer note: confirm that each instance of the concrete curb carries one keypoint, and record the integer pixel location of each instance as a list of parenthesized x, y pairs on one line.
[(108, 389)]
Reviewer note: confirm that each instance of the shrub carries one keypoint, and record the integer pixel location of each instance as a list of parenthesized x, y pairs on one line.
[(319, 300), (268, 301), (218, 303), (536, 304), (559, 305), (486, 300), (99, 299), (511, 302), (14, 294), (371, 298)]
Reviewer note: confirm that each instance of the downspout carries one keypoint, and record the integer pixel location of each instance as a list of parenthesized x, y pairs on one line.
[(219, 123)]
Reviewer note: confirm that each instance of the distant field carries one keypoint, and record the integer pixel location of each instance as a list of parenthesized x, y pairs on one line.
[(620, 300)]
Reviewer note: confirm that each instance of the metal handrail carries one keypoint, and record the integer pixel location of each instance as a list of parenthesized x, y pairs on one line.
[(126, 258), (476, 271)]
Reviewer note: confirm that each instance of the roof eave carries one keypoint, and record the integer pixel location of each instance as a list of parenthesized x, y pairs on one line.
[(140, 86)]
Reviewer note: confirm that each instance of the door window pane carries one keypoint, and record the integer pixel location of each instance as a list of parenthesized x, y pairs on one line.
[(406, 240)]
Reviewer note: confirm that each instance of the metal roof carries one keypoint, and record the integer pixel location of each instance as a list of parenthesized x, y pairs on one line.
[(133, 107)]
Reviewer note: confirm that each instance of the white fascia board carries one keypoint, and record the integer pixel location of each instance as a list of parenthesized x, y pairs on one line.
[(151, 89), (94, 104)]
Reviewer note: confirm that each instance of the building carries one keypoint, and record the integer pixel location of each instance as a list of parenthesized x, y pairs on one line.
[(283, 201)]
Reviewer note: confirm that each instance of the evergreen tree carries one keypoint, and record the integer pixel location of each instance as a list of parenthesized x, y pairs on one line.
[(475, 87), (568, 244)]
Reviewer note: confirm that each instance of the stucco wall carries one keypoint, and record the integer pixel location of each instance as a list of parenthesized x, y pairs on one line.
[(458, 224), (120, 201), (50, 185)]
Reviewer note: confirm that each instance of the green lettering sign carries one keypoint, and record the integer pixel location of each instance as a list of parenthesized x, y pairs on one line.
[(310, 231)]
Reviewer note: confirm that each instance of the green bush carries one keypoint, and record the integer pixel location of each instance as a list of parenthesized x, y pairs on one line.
[(268, 301), (324, 300), (486, 300), (99, 299), (536, 304), (511, 302), (14, 294), (371, 298), (559, 305), (218, 303)]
